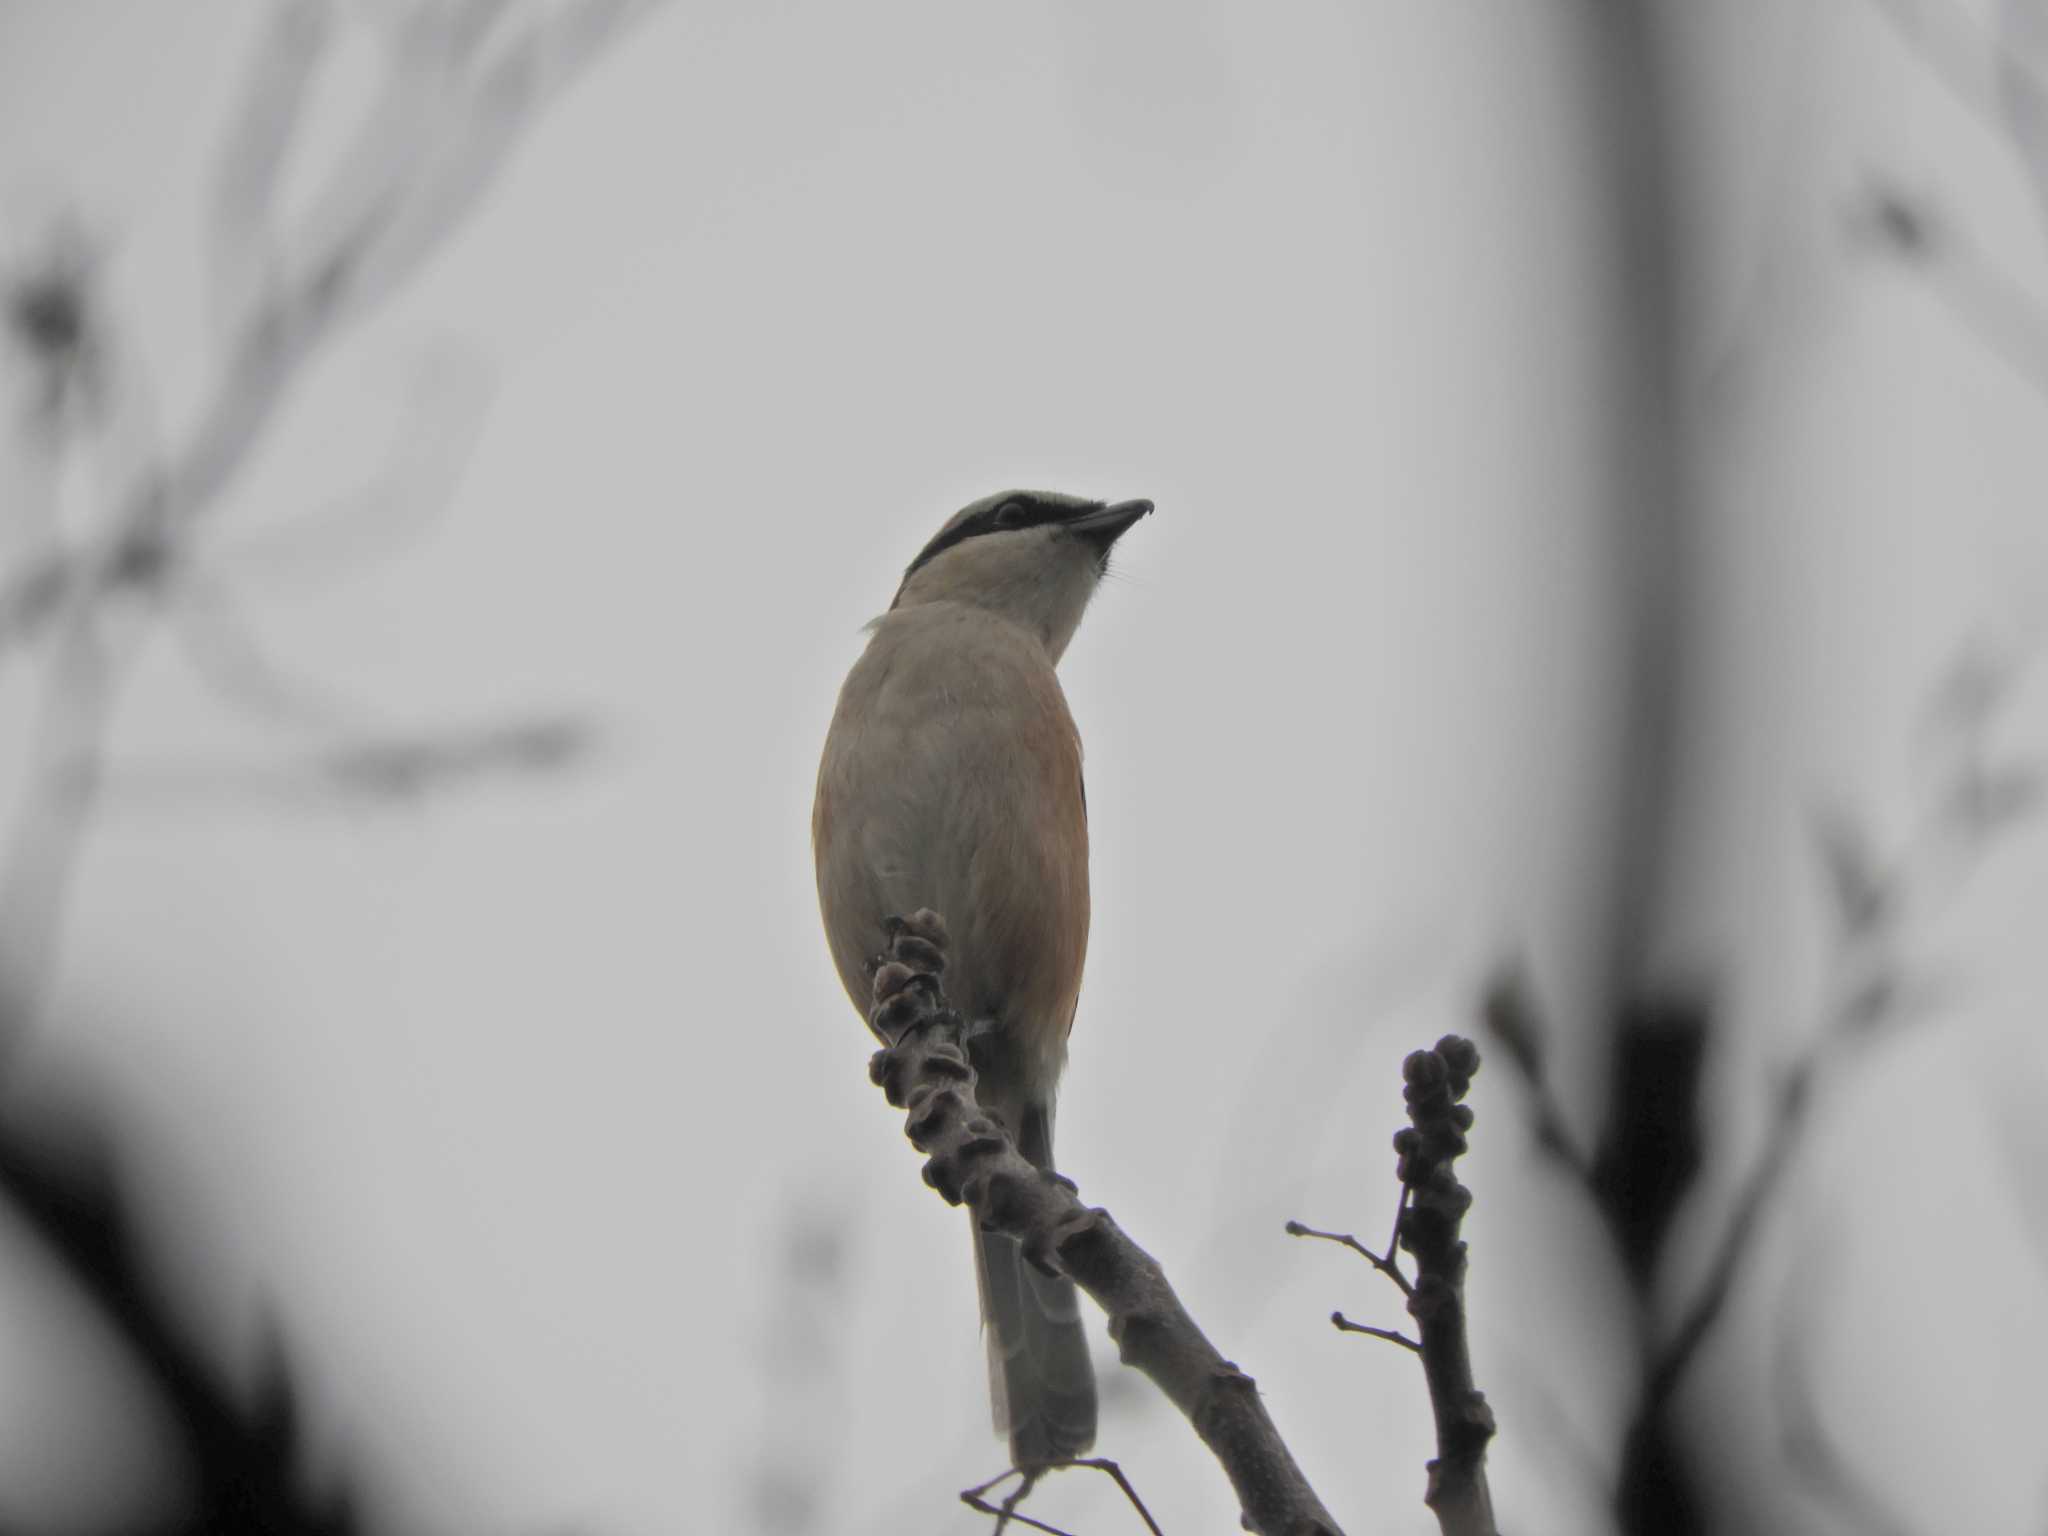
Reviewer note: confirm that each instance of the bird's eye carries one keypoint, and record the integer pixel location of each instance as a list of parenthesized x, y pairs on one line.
[(1011, 514)]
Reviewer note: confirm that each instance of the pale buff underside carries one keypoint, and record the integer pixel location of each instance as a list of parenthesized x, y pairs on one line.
[(952, 779)]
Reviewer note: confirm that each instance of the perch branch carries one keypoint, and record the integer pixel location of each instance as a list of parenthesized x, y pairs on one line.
[(971, 1160)]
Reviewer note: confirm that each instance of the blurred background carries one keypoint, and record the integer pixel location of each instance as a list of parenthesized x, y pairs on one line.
[(447, 453)]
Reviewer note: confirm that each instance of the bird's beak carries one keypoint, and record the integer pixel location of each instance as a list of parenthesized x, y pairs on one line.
[(1104, 525)]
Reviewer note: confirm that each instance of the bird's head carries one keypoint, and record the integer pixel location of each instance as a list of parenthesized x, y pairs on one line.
[(1035, 557)]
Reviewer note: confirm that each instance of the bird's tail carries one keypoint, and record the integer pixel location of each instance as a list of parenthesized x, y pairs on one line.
[(1041, 1384)]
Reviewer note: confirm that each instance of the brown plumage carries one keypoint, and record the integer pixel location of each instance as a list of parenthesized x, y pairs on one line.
[(951, 779)]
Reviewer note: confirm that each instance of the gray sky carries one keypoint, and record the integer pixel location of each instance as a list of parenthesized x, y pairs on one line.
[(503, 1106)]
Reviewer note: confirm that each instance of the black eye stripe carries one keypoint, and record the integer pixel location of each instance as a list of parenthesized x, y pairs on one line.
[(991, 521), (946, 541)]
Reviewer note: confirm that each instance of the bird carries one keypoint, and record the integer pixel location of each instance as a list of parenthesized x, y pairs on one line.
[(951, 779)]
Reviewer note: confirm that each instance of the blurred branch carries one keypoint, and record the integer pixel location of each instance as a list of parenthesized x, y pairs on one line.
[(1949, 43), (1767, 306), (246, 1461), (971, 1160), (366, 238), (259, 143), (67, 752), (1652, 502), (1976, 796), (384, 769), (1809, 1447), (2015, 1091), (54, 330), (1650, 497), (1650, 1146), (413, 768), (1671, 1358), (2001, 77), (438, 418), (224, 650), (464, 84), (1509, 1015), (1991, 305)]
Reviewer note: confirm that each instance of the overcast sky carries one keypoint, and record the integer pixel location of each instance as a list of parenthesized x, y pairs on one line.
[(501, 1108)]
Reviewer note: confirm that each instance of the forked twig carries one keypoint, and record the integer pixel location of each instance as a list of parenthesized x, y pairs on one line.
[(976, 1498), (1383, 1263)]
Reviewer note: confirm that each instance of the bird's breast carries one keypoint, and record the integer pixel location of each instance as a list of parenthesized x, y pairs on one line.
[(951, 778)]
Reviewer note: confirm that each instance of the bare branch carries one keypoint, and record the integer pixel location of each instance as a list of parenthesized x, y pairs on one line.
[(1437, 1080), (971, 1160)]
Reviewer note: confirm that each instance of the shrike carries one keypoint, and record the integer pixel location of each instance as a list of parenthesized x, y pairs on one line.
[(952, 779)]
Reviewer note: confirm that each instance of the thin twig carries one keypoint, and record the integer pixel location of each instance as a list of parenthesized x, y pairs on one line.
[(1111, 1470), (1385, 1265), (1344, 1324), (981, 1490), (1005, 1512), (976, 1498)]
